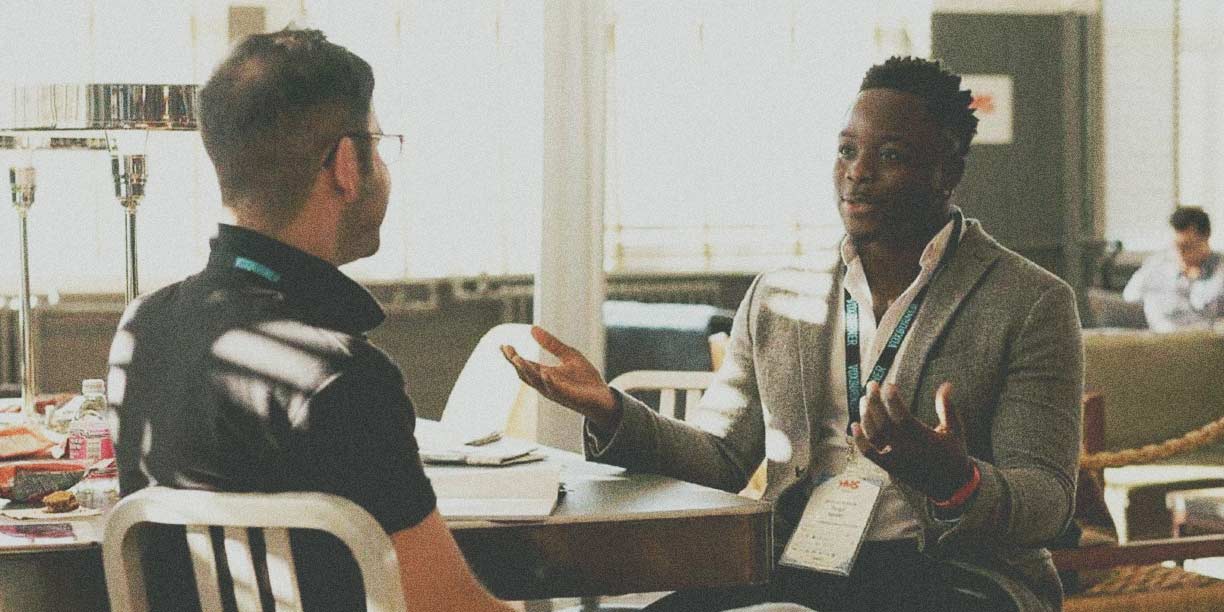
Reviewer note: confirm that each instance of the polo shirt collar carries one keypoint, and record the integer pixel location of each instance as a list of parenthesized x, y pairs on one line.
[(327, 295)]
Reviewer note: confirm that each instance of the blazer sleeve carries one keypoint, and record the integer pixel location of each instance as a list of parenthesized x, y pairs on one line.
[(1027, 492), (723, 441)]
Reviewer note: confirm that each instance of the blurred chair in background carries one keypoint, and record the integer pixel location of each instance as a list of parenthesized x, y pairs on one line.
[(488, 396), (1102, 575)]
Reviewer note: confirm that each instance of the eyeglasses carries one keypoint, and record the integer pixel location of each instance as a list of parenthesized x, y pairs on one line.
[(390, 146)]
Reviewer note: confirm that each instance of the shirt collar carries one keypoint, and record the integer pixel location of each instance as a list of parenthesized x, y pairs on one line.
[(930, 255), (329, 297)]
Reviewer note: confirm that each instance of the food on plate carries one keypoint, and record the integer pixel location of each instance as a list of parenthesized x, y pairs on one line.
[(60, 501)]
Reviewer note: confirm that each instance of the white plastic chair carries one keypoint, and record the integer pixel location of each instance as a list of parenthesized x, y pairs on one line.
[(488, 395), (669, 384), (275, 514)]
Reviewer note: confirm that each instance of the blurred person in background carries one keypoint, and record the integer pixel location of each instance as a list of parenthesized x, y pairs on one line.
[(1182, 288)]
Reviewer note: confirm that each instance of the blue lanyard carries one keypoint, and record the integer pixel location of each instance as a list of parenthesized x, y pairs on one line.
[(855, 385)]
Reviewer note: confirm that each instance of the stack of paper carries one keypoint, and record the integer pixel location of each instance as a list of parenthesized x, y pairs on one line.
[(518, 493), (439, 444), (491, 457), (486, 480)]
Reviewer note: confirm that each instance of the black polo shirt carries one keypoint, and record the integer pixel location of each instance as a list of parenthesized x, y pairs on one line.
[(256, 375)]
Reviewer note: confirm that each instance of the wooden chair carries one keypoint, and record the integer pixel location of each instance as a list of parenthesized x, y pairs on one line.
[(1132, 576), (236, 513)]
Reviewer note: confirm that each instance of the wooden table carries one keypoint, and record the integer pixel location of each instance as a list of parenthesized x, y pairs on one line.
[(56, 576), (615, 533), (611, 533)]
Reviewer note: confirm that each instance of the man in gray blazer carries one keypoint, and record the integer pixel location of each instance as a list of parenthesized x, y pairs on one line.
[(973, 367)]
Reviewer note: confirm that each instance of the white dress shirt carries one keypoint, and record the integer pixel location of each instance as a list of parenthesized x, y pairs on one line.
[(894, 518)]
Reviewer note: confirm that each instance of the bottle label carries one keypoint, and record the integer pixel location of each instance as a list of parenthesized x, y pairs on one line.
[(93, 444)]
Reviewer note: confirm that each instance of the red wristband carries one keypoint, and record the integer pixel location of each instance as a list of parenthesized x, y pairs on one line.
[(962, 494)]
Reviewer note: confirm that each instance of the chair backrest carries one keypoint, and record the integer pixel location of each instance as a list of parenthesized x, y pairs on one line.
[(488, 391), (668, 384), (236, 513)]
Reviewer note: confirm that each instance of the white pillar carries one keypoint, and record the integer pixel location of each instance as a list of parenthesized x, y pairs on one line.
[(569, 283)]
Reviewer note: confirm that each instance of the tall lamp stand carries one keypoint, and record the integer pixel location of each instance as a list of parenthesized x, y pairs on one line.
[(129, 172), (23, 185)]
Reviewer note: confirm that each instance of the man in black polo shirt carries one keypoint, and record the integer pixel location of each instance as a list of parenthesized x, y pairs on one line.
[(256, 374)]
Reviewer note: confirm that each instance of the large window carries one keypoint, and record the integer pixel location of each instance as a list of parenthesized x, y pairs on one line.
[(722, 122), (462, 80), (1154, 160)]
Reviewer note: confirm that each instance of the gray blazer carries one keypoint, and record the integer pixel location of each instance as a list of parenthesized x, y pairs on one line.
[(1006, 334)]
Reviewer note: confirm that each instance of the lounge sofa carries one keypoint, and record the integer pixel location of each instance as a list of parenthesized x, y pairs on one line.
[(1156, 387)]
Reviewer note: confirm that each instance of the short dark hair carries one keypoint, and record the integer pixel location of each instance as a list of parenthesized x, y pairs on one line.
[(938, 89), (1186, 217), (273, 110)]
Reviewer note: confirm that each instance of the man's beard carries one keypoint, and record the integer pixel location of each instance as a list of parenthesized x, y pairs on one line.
[(916, 222), (353, 232)]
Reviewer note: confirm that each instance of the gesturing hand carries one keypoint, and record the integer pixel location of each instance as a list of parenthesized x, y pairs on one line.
[(573, 383), (933, 461)]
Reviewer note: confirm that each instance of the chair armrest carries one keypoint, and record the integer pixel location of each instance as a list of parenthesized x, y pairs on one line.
[(1093, 417), (1140, 552)]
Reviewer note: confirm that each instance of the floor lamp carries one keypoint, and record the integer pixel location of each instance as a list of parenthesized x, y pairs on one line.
[(72, 116)]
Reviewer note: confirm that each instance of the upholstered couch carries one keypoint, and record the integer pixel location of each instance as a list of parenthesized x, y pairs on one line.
[(1156, 387), (1106, 308)]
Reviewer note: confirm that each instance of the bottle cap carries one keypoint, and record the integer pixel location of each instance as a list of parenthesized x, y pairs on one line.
[(91, 386)]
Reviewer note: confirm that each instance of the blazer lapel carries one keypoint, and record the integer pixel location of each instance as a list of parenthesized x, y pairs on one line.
[(948, 290)]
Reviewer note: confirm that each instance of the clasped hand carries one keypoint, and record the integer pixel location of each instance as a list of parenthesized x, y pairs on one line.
[(932, 460)]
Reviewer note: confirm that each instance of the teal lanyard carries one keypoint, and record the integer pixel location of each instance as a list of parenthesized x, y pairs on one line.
[(855, 386), (254, 267)]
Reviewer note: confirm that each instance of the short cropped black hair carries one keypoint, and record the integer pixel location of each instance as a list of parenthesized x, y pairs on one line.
[(939, 90), (273, 110), (1186, 217)]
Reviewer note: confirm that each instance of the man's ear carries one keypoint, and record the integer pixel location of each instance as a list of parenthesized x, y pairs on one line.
[(345, 170)]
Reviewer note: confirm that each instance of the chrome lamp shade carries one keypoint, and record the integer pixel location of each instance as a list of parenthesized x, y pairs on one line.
[(28, 111)]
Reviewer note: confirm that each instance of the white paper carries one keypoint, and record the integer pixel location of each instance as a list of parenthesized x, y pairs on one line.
[(483, 398), (440, 444), (833, 525), (512, 493)]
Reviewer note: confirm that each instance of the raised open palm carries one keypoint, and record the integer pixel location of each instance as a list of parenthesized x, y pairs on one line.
[(573, 383)]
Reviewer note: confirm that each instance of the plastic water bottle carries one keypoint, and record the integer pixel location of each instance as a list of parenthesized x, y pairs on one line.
[(89, 435)]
